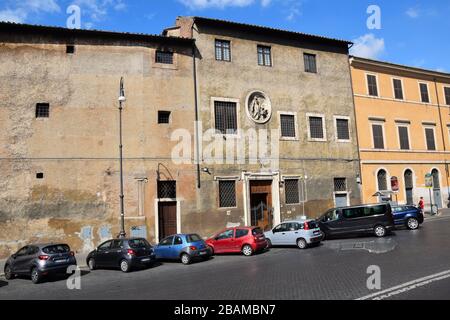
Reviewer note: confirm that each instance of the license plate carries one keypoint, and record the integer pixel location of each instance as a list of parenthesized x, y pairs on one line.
[(316, 232), (145, 259), (202, 252), (61, 260)]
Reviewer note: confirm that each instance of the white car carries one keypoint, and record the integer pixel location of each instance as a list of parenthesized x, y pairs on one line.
[(296, 232)]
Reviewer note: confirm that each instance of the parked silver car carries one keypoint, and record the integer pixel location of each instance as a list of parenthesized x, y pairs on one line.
[(40, 260), (297, 232)]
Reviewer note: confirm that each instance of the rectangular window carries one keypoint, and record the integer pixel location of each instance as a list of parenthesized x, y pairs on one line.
[(264, 56), (310, 62), (163, 117), (225, 117), (424, 93), (403, 135), (342, 128), (292, 191), (42, 110), (227, 194), (287, 122), (372, 85), (429, 135), (447, 95), (164, 57), (223, 51), (167, 189), (378, 140), (316, 128), (398, 89), (340, 184), (70, 49)]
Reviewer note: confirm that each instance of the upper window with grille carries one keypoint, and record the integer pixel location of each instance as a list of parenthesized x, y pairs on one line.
[(225, 114), (163, 117), (223, 50), (340, 184), (42, 110), (227, 194), (165, 57), (403, 135), (292, 191), (342, 129), (425, 97), (447, 95), (378, 139), (429, 135), (310, 62), (287, 123), (167, 189), (372, 85), (398, 89), (316, 128), (264, 56)]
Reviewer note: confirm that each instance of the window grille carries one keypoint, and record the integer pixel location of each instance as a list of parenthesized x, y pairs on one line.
[(227, 194)]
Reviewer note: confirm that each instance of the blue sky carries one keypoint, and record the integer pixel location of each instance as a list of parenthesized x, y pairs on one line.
[(412, 32)]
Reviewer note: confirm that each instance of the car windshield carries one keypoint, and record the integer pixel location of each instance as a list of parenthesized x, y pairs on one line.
[(59, 248), (139, 243), (257, 231), (193, 238)]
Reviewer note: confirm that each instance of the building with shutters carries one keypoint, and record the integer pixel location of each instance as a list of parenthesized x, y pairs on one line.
[(261, 86), (403, 124)]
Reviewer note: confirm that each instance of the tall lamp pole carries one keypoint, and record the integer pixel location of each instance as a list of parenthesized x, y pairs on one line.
[(122, 99)]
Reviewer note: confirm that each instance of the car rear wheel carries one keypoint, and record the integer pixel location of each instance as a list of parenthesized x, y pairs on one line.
[(301, 243), (247, 250), (125, 266), (185, 259), (380, 231), (35, 276), (91, 264), (412, 224), (8, 273)]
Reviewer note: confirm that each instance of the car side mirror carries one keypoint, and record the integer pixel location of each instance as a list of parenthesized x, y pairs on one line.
[(14, 256)]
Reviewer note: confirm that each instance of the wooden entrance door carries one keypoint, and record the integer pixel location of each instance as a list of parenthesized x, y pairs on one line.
[(261, 210), (167, 219)]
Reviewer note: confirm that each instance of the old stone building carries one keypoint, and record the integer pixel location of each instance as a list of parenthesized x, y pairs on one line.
[(255, 87)]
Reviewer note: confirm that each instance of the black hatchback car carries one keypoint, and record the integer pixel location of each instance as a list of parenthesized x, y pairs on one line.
[(364, 219), (39, 261), (125, 254)]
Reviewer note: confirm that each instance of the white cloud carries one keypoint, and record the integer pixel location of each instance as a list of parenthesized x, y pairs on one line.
[(19, 11), (413, 13), (368, 46), (266, 3), (17, 16), (221, 4)]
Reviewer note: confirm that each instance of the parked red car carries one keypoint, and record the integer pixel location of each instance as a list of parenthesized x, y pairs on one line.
[(238, 239)]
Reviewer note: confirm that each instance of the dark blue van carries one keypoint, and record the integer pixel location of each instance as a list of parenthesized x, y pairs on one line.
[(409, 216)]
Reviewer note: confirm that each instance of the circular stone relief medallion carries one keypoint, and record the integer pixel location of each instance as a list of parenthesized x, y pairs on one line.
[(258, 106)]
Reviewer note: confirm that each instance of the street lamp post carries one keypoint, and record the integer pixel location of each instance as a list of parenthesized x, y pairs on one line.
[(122, 99)]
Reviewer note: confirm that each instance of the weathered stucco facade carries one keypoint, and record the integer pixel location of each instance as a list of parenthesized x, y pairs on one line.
[(76, 147)]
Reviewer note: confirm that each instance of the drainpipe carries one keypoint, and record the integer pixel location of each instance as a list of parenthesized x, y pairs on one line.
[(443, 136), (197, 142)]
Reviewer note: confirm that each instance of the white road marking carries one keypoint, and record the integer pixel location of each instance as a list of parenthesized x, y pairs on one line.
[(408, 286)]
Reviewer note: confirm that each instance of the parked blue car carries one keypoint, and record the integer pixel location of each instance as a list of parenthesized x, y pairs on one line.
[(408, 216), (183, 247)]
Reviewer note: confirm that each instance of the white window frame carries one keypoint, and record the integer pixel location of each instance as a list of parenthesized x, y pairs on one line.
[(302, 195), (429, 126), (382, 123), (213, 116), (388, 179), (428, 91), (367, 84), (407, 126), (336, 118), (393, 89), (289, 113), (324, 127)]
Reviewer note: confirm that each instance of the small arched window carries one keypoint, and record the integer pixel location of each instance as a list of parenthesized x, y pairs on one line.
[(382, 180), (436, 183)]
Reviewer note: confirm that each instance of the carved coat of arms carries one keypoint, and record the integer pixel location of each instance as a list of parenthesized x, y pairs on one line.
[(259, 108)]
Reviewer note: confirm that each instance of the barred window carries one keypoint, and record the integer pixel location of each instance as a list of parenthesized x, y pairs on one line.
[(227, 194), (447, 95), (310, 62), (163, 117), (42, 110), (372, 85), (225, 116), (316, 128), (167, 189), (409, 179), (424, 93), (165, 57), (382, 180), (340, 184), (403, 137), (223, 51), (398, 89), (287, 122), (378, 140), (292, 191), (264, 56), (342, 127), (429, 134)]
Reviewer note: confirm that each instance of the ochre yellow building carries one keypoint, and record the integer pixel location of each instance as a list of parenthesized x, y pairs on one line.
[(403, 123)]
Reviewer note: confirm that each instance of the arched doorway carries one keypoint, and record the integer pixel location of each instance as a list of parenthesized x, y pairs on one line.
[(436, 188), (409, 187), (381, 183)]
